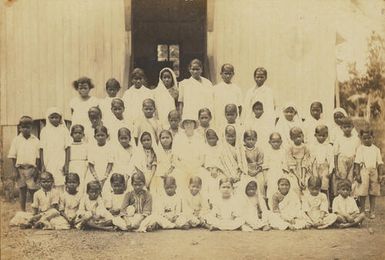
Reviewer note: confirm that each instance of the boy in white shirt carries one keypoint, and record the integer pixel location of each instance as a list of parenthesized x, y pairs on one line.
[(24, 154), (368, 171)]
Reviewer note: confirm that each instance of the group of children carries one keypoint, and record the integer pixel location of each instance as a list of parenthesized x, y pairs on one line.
[(192, 155)]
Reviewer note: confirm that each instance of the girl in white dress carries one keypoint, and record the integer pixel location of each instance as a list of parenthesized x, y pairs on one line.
[(54, 146), (81, 104), (78, 155), (100, 157), (69, 200), (226, 211)]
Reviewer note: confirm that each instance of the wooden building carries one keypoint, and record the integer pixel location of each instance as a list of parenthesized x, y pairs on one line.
[(46, 44)]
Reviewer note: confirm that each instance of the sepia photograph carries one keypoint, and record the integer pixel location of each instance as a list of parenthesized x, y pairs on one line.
[(192, 129)]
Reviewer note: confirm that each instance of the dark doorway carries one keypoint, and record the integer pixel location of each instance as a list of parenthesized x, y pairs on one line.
[(167, 33)]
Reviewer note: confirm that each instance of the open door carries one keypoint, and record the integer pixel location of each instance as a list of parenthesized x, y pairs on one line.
[(167, 33)]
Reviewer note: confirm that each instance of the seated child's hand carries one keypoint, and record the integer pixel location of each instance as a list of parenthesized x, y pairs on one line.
[(130, 211), (115, 212)]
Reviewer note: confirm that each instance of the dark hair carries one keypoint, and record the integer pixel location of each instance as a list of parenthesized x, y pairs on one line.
[(226, 179), (195, 179), (260, 69), (138, 175), (314, 182), (228, 127), (195, 61), (344, 183), (117, 101), (346, 121), (124, 130), (82, 80), (258, 103), (117, 177), (283, 179), (231, 107), (143, 134), (202, 110), (147, 100), (169, 180), (72, 175), (25, 121), (321, 129), (97, 109), (275, 133), (101, 128), (227, 66), (366, 130), (295, 131), (93, 185), (138, 73), (249, 133), (77, 126), (173, 112), (165, 131), (317, 103), (48, 174), (112, 83)]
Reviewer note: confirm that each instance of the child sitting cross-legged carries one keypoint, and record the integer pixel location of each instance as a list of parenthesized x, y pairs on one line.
[(315, 205), (137, 204), (167, 210), (345, 207), (45, 207), (195, 206), (92, 213)]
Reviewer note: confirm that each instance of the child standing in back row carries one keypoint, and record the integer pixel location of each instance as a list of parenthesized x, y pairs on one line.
[(166, 94), (112, 89), (369, 171), (55, 147), (81, 104), (195, 92), (24, 154), (226, 92), (134, 96)]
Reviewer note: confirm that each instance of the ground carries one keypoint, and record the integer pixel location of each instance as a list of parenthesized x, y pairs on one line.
[(356, 243)]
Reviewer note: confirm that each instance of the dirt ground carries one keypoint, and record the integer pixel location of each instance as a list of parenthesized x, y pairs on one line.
[(367, 242)]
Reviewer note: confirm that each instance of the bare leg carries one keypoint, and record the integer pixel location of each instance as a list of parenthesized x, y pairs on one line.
[(362, 200), (372, 202), (23, 197)]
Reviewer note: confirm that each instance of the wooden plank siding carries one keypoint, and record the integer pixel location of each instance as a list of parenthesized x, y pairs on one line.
[(296, 44), (46, 44)]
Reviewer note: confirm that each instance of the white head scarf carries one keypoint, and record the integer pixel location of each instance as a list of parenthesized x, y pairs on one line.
[(54, 110)]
